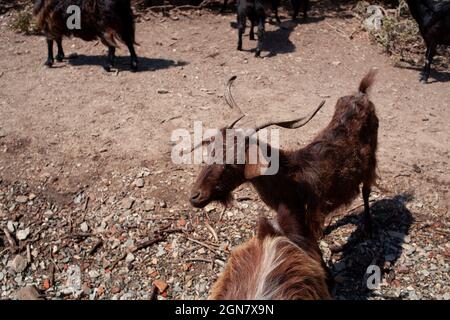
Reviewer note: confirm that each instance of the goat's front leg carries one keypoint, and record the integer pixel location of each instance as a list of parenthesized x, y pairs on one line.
[(431, 51), (224, 7), (252, 30), (296, 8), (60, 55), (241, 29), (50, 59), (275, 10), (367, 218), (261, 21), (111, 58)]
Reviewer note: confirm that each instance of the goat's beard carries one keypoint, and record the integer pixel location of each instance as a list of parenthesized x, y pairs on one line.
[(226, 199)]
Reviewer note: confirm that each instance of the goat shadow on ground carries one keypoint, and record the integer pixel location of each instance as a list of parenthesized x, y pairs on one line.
[(391, 223), (277, 41), (437, 76), (123, 62)]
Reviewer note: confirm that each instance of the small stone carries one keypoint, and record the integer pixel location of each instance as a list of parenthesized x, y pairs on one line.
[(23, 234), (28, 293), (210, 207), (163, 204), (127, 203), (84, 227), (18, 264), (2, 275), (46, 284), (115, 290), (21, 199), (149, 205), (163, 91), (139, 183), (161, 285), (31, 196), (94, 274), (130, 257), (11, 226)]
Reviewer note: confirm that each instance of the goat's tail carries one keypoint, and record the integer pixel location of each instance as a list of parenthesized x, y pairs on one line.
[(367, 81)]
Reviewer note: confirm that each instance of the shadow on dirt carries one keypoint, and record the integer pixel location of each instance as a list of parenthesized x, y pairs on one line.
[(123, 63), (391, 223), (435, 75)]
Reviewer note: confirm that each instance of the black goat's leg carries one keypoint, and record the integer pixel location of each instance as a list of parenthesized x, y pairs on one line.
[(275, 10), (305, 9), (60, 55), (50, 59), (367, 218), (252, 30), (295, 8), (261, 22), (431, 51), (241, 29), (133, 56), (111, 58), (224, 6)]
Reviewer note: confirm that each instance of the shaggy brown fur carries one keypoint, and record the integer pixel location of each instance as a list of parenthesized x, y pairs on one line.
[(107, 20), (271, 266), (315, 180)]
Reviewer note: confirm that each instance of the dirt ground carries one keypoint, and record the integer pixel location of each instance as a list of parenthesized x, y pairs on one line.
[(76, 140)]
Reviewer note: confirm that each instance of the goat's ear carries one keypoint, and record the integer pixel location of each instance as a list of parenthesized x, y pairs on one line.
[(265, 228)]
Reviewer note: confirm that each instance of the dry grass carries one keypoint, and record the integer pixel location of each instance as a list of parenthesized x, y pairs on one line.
[(400, 36)]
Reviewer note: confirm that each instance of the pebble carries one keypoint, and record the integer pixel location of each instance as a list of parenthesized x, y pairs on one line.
[(11, 226), (127, 203), (23, 234), (28, 293), (84, 227), (130, 257), (18, 264), (139, 183), (21, 199), (94, 274), (163, 204), (2, 275), (149, 205)]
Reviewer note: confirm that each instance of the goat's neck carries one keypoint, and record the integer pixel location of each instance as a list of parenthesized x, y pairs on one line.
[(278, 188), (420, 9)]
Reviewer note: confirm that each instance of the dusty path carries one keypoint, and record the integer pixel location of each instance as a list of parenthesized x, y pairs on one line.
[(76, 130)]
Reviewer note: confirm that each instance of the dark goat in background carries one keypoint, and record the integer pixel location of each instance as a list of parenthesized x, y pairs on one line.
[(253, 10), (315, 180), (106, 20), (274, 265), (296, 6), (433, 18)]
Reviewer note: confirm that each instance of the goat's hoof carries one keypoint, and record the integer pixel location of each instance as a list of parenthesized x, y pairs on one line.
[(60, 57), (258, 54), (49, 63), (423, 80), (134, 67), (252, 37), (107, 68), (239, 48)]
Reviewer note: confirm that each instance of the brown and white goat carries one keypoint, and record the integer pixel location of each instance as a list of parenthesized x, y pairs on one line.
[(312, 181), (273, 266)]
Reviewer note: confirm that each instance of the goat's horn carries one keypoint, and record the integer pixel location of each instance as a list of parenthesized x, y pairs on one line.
[(292, 124)]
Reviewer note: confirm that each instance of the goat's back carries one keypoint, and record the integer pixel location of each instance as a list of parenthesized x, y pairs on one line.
[(273, 268)]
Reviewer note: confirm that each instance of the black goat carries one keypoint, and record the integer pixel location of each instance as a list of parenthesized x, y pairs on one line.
[(107, 20), (253, 10), (433, 18), (296, 6)]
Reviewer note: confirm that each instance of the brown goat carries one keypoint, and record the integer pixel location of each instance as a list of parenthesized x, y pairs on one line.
[(315, 180), (273, 266), (107, 20)]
